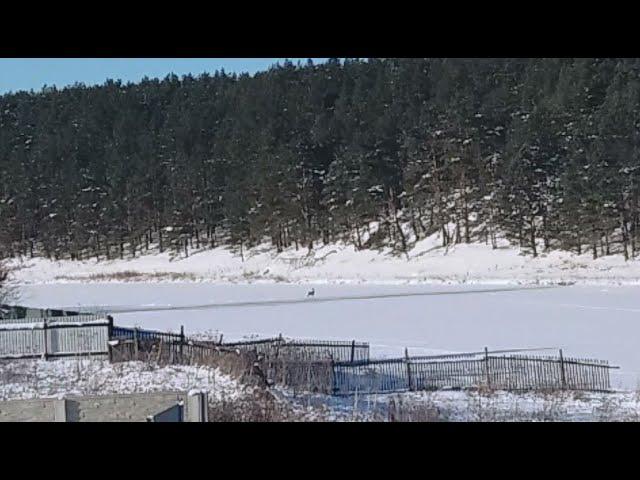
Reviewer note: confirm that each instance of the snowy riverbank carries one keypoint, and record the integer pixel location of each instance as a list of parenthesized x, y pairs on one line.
[(427, 262)]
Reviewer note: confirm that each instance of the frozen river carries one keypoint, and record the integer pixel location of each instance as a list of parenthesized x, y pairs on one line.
[(593, 322)]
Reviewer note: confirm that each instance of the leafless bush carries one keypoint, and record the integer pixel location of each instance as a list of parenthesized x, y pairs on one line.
[(242, 365)]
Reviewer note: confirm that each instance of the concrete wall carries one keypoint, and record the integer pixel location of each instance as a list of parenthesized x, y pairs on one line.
[(120, 408), (104, 408), (27, 411)]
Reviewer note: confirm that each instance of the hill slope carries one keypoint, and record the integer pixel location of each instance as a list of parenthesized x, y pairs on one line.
[(426, 262)]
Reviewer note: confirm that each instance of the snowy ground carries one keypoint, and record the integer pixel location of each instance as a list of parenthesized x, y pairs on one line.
[(427, 262), (474, 406), (29, 379), (25, 379), (586, 321)]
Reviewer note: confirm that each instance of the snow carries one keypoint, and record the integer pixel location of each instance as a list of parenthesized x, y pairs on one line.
[(427, 262), (585, 321), (475, 406), (26, 379)]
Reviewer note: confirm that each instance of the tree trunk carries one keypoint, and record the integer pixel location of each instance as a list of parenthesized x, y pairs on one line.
[(625, 236), (533, 238)]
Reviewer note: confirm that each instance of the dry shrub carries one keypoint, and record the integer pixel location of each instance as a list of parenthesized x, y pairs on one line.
[(243, 365), (260, 406), (130, 276), (425, 410)]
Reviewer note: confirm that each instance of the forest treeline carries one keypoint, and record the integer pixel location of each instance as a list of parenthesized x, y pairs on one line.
[(544, 152)]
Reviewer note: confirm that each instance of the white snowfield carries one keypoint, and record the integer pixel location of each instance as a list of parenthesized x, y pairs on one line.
[(427, 262)]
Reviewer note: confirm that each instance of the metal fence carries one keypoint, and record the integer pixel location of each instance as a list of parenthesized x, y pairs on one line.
[(54, 336), (344, 367), (122, 333), (499, 372)]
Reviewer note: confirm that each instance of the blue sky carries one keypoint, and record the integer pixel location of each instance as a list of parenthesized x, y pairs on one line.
[(33, 73)]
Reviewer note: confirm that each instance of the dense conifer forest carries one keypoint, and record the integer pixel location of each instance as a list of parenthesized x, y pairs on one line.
[(544, 152)]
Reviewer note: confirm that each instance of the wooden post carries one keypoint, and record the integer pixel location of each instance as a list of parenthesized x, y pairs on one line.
[(564, 380), (45, 327), (486, 366), (406, 359), (353, 350)]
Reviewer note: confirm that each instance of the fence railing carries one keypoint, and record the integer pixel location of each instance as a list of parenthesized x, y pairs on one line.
[(69, 319), (55, 336), (19, 312)]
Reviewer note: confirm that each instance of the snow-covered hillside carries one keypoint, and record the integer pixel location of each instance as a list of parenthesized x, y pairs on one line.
[(427, 262), (23, 379)]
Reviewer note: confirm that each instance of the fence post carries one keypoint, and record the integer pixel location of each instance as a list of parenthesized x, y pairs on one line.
[(181, 340), (486, 366), (406, 359), (109, 335), (564, 380), (44, 333), (353, 350), (279, 342), (334, 384), (135, 342)]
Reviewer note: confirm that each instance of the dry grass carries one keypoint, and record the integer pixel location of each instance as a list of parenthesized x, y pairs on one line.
[(424, 411), (242, 365), (131, 276), (260, 406)]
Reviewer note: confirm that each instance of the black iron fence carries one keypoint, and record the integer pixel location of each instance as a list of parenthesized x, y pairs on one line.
[(345, 367), (499, 372), (121, 333)]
